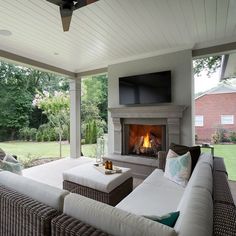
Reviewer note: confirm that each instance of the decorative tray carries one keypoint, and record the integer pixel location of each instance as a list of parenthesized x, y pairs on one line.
[(101, 168)]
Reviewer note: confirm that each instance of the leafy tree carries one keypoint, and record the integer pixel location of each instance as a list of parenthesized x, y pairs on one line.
[(209, 64), (94, 103), (94, 132), (16, 99), (57, 110), (18, 86)]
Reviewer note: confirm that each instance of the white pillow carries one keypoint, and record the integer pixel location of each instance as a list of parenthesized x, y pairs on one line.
[(178, 168), (10, 158), (171, 154)]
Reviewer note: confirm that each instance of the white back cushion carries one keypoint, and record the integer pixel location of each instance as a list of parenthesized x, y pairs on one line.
[(206, 158), (112, 220), (44, 193), (196, 214)]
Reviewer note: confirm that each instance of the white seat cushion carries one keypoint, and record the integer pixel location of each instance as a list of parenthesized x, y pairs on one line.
[(155, 196), (44, 193), (89, 176), (112, 220)]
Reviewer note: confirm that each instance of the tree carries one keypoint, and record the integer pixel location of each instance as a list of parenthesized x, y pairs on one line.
[(209, 64), (94, 103), (18, 86), (16, 99), (57, 110)]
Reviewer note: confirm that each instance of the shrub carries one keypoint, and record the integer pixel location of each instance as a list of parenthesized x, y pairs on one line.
[(91, 132), (39, 136), (232, 136), (220, 136), (32, 134), (24, 133)]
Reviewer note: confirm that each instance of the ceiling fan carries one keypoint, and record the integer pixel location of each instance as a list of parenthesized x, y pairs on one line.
[(67, 7)]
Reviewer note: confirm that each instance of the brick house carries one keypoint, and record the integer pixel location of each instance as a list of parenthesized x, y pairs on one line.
[(214, 109)]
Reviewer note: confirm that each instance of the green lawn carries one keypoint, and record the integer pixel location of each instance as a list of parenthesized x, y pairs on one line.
[(228, 152), (33, 150)]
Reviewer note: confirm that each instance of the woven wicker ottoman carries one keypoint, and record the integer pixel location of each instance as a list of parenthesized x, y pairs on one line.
[(88, 181)]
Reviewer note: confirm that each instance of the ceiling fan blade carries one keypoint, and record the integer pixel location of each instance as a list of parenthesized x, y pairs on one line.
[(83, 3), (66, 15), (56, 2)]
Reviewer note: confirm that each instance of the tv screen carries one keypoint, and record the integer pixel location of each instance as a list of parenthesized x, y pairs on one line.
[(145, 89)]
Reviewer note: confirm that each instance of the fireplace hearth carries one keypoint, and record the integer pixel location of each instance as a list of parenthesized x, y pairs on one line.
[(144, 140)]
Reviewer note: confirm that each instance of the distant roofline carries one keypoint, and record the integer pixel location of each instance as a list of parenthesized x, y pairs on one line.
[(231, 89)]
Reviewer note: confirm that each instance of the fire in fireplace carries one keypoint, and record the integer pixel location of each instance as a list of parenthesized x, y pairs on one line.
[(145, 140)]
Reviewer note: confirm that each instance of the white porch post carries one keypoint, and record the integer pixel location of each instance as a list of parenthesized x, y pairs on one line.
[(75, 136)]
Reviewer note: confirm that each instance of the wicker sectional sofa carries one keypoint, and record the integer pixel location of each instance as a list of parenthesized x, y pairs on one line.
[(31, 208)]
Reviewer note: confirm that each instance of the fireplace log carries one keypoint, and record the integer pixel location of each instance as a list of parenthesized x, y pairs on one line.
[(138, 144), (155, 144)]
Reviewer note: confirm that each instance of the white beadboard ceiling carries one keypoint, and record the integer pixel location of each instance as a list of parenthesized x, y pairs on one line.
[(111, 31)]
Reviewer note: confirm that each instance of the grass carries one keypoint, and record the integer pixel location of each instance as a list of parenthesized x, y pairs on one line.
[(34, 150), (228, 152)]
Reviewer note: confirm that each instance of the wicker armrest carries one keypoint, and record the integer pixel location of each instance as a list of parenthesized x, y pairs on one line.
[(221, 189), (162, 160), (23, 216), (66, 225), (219, 165), (224, 220)]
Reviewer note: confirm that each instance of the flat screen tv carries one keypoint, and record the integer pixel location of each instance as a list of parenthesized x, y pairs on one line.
[(145, 89)]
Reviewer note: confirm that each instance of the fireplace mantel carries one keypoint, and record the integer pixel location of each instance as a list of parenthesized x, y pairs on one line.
[(170, 111), (168, 115)]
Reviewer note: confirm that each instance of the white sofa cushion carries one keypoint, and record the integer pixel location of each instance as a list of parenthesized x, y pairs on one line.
[(206, 158), (155, 196), (202, 175), (44, 193), (201, 178), (112, 220), (88, 176), (196, 214)]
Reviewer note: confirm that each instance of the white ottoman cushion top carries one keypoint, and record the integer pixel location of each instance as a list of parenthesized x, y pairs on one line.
[(87, 175), (112, 220)]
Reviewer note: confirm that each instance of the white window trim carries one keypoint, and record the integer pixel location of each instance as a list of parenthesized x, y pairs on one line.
[(200, 122), (229, 119)]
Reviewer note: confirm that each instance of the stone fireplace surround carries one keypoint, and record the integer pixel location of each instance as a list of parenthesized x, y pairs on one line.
[(168, 115)]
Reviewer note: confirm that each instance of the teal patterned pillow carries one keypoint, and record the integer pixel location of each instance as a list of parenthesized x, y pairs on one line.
[(178, 169), (12, 167)]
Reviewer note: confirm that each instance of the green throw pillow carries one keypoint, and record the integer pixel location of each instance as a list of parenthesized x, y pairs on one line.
[(168, 219)]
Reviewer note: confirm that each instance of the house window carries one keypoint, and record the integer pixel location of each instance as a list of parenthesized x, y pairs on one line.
[(199, 120), (227, 119)]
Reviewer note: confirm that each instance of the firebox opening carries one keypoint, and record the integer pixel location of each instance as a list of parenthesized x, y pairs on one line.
[(146, 140)]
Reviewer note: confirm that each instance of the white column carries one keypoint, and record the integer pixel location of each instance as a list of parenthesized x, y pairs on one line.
[(75, 134)]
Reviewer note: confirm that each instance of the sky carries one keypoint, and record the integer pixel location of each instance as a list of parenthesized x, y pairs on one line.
[(203, 82)]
